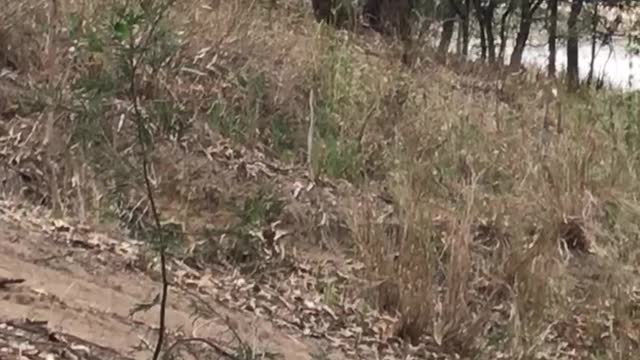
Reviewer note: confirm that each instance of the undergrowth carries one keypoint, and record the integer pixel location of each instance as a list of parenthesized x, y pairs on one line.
[(513, 223)]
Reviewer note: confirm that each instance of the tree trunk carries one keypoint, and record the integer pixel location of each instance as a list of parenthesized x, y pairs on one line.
[(594, 39), (483, 41), (553, 35), (527, 10), (521, 43), (488, 23), (485, 14), (573, 79), (477, 7), (504, 22), (459, 37), (448, 25), (465, 28)]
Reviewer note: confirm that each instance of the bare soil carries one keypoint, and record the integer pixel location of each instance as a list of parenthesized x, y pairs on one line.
[(78, 292)]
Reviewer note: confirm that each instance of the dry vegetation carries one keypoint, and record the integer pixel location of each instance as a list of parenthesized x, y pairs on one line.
[(510, 222)]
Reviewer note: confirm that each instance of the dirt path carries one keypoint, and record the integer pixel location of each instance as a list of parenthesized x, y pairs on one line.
[(89, 293)]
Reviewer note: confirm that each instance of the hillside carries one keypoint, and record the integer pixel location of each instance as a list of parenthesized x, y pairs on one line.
[(313, 197)]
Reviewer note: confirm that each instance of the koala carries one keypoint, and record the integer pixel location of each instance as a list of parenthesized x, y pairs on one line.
[(340, 13), (389, 17)]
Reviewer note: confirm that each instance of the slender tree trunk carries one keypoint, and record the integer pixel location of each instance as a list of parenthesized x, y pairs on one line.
[(485, 23), (459, 37), (527, 9), (553, 35), (521, 43), (477, 7), (594, 40), (573, 79), (465, 28), (491, 45), (504, 22), (483, 42), (488, 23), (448, 25)]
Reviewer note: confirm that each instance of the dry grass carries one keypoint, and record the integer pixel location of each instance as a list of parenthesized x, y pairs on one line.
[(524, 208), (506, 237)]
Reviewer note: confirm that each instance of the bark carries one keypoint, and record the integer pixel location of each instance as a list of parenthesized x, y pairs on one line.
[(465, 28), (594, 39), (461, 10), (553, 35), (491, 41), (504, 22), (521, 41), (573, 79), (527, 9), (459, 37), (483, 42), (484, 15), (448, 25)]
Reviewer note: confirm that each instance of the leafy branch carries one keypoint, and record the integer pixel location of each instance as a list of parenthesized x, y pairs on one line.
[(125, 30)]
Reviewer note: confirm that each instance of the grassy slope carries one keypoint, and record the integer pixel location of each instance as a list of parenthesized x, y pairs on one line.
[(510, 238)]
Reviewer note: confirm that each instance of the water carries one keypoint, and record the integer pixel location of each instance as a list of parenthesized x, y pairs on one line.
[(618, 66), (615, 63)]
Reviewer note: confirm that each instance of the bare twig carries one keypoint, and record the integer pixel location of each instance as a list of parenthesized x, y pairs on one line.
[(50, 67), (4, 282), (312, 124), (144, 306)]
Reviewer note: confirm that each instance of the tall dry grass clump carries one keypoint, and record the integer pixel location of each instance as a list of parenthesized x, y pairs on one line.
[(503, 227)]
